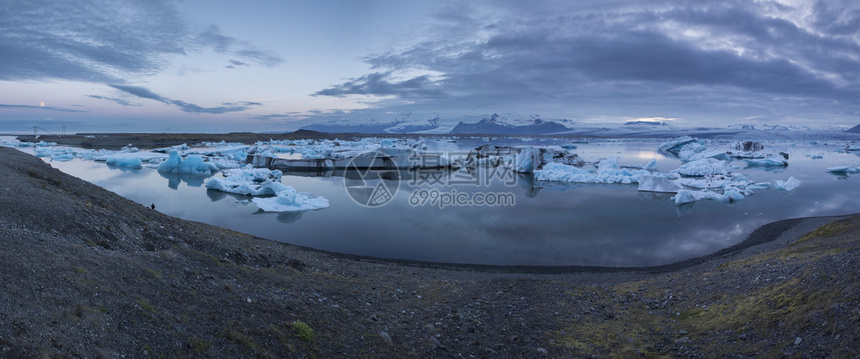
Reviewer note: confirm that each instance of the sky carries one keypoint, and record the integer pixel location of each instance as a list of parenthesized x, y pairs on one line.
[(222, 66)]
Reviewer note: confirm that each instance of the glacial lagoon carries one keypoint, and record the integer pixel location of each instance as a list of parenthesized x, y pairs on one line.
[(547, 223)]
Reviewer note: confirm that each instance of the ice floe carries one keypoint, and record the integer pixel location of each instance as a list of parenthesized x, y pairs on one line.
[(192, 164), (789, 185), (704, 167), (843, 169), (290, 200), (264, 182)]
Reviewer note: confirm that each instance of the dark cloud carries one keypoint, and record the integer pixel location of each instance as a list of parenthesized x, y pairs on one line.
[(113, 99), (104, 42), (233, 64), (185, 106), (261, 57), (674, 56), (380, 84)]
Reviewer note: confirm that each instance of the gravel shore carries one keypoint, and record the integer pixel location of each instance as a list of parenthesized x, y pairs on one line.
[(87, 273)]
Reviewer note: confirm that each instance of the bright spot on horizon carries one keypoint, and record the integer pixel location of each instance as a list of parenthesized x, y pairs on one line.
[(42, 104)]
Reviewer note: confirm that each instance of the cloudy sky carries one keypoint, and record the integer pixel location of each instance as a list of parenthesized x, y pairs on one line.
[(217, 66)]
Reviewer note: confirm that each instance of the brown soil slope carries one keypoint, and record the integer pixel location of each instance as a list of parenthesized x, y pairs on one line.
[(86, 273)]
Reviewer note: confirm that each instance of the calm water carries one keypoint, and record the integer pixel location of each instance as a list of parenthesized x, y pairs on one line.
[(549, 224)]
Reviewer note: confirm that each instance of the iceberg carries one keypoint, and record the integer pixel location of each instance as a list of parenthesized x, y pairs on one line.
[(789, 185), (766, 162), (703, 167), (658, 184), (248, 181), (124, 161), (607, 172), (843, 169), (674, 146), (651, 165), (728, 196), (528, 160), (193, 165), (290, 200)]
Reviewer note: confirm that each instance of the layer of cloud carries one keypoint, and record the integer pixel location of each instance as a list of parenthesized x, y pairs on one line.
[(758, 56), (40, 108), (113, 99), (382, 84), (143, 92), (103, 42)]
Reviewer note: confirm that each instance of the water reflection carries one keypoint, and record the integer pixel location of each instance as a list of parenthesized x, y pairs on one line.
[(550, 224)]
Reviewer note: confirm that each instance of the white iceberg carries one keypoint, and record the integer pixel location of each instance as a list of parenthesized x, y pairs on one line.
[(658, 184), (674, 146), (192, 164), (249, 181), (607, 172), (789, 185), (703, 167), (728, 196), (290, 200)]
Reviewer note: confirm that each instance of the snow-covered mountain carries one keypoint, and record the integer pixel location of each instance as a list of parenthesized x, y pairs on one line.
[(494, 126)]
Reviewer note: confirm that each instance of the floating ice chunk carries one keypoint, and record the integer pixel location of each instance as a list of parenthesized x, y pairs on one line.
[(767, 162), (658, 184), (843, 169), (178, 148), (528, 160), (607, 164), (225, 163), (124, 161), (715, 154), (728, 196), (674, 146), (703, 167), (733, 194), (249, 174), (248, 181), (651, 165), (290, 200), (789, 185), (193, 164), (607, 172), (266, 188)]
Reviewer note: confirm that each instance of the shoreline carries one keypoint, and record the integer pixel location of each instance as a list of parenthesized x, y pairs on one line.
[(768, 235)]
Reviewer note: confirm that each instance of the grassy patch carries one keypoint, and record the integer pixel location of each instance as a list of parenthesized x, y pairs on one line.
[(198, 345), (153, 272), (147, 308), (303, 331), (249, 343)]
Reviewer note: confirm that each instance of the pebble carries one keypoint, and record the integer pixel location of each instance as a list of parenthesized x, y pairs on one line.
[(542, 351), (386, 337), (798, 341)]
